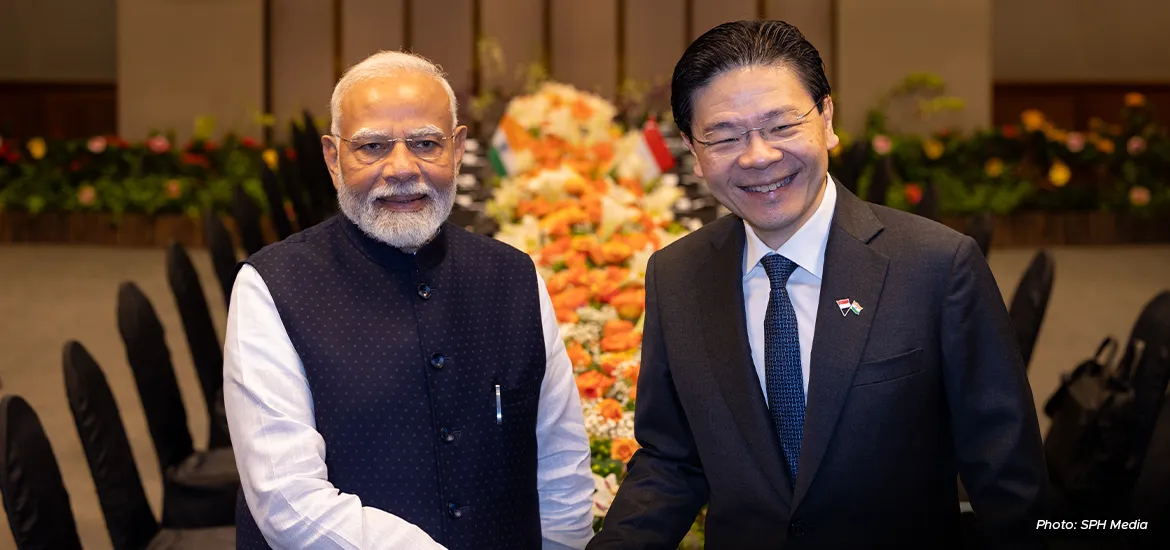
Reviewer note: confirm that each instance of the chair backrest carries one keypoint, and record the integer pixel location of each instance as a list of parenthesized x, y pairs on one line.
[(154, 374), (35, 498), (314, 170), (223, 254), (206, 349), (247, 216), (295, 188), (275, 196), (129, 520), (879, 182), (1031, 302), (1150, 373), (980, 228), (929, 206)]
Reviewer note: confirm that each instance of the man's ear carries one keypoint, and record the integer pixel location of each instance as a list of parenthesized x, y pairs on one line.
[(329, 147), (831, 139), (691, 147)]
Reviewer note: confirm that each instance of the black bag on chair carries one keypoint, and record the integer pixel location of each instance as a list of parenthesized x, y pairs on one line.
[(206, 350), (198, 487), (35, 499), (129, 520), (223, 254)]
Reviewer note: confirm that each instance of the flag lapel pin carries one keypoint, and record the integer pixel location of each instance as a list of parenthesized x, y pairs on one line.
[(855, 308), (845, 305)]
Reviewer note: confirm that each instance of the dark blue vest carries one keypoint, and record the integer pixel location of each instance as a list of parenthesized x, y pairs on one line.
[(403, 354)]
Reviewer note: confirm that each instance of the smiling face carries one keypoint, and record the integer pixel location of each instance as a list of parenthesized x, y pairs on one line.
[(775, 186), (396, 193)]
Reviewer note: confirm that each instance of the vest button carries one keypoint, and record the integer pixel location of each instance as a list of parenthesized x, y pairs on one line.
[(424, 291), (447, 435), (796, 528), (454, 511), (437, 361)]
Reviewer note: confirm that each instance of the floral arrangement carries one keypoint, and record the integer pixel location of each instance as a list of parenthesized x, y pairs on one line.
[(581, 197), (1027, 165), (111, 175)]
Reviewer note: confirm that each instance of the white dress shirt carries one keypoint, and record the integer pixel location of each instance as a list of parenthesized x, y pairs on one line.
[(806, 248), (281, 456)]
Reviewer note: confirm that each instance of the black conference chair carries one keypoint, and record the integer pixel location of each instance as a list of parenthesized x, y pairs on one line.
[(314, 171), (295, 189), (981, 228), (35, 499), (879, 183), (223, 254), (247, 216), (206, 349), (129, 519), (853, 163), (929, 206), (1150, 373), (275, 196), (1031, 302), (198, 486)]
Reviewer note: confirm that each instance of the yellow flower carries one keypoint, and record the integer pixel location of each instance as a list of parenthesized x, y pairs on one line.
[(1059, 174), (933, 148), (37, 148), (993, 167), (1033, 120), (270, 158), (1134, 99)]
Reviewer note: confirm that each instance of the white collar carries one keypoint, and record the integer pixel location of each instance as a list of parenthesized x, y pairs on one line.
[(806, 247)]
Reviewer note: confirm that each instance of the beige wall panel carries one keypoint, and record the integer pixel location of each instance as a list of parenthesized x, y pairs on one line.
[(370, 26), (64, 40), (711, 13), (881, 42), (584, 44), (179, 59), (442, 32), (655, 38), (302, 60), (814, 18), (518, 27)]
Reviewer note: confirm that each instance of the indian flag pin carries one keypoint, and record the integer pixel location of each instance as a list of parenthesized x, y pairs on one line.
[(844, 305), (855, 308)]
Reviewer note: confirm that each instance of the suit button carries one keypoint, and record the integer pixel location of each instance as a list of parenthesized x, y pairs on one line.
[(454, 511), (424, 291), (437, 361), (447, 435), (796, 528)]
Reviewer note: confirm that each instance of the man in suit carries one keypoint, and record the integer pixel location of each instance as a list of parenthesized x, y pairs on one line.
[(815, 368)]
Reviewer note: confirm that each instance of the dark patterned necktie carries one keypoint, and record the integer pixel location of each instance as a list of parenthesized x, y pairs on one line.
[(782, 370)]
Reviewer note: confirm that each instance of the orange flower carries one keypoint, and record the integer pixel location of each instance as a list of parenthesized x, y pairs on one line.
[(610, 361), (1033, 120), (631, 375), (616, 326), (603, 151), (637, 241), (578, 356), (616, 252), (593, 384), (1105, 146), (634, 393), (630, 303), (621, 341), (571, 299), (623, 449), (632, 185), (581, 110), (1134, 99), (567, 316), (610, 409)]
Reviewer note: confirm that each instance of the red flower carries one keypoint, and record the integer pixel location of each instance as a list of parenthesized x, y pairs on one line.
[(75, 165), (13, 157), (248, 143), (119, 142), (1010, 131), (290, 153), (195, 159), (210, 146), (913, 193)]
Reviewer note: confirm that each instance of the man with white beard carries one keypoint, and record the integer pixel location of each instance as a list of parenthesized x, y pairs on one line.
[(392, 380)]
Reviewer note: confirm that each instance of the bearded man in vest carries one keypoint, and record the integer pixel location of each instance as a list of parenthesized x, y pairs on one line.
[(392, 380)]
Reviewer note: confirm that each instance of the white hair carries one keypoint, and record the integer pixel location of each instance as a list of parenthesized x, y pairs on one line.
[(383, 64)]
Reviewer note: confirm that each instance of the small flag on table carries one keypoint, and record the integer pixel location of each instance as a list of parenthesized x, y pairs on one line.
[(509, 138), (652, 149)]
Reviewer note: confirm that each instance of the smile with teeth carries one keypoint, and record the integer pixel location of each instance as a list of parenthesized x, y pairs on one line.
[(771, 186)]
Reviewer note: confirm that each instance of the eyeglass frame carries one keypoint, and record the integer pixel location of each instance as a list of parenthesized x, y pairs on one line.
[(797, 121), (405, 140)]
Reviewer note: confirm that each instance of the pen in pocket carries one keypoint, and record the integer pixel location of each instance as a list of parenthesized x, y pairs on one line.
[(499, 407)]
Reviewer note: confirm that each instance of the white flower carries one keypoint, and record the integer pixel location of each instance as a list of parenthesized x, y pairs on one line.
[(614, 215), (659, 203), (605, 488), (638, 264), (525, 236)]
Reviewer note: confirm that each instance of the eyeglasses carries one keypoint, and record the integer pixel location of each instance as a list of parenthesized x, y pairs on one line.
[(732, 142), (428, 148)]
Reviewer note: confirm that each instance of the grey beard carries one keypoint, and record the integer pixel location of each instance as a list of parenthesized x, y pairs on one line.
[(406, 231)]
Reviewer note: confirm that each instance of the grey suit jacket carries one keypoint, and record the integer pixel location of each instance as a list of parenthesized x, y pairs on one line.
[(926, 382)]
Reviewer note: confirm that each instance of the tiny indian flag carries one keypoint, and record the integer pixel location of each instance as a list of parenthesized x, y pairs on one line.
[(855, 308)]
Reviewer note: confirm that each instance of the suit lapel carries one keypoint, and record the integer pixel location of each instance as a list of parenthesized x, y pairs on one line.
[(729, 352), (855, 271)]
